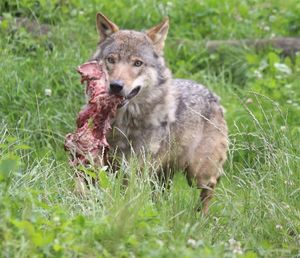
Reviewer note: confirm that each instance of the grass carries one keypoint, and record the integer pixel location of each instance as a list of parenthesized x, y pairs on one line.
[(256, 210)]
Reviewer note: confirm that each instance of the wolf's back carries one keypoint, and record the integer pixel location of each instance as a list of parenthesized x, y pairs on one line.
[(194, 99)]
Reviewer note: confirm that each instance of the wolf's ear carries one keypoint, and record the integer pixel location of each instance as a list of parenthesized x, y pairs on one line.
[(158, 34), (105, 27)]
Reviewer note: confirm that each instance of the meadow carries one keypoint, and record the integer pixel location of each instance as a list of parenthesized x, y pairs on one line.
[(256, 209)]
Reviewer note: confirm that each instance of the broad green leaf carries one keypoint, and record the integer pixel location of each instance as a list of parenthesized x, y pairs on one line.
[(103, 179), (22, 147), (11, 139), (25, 225), (8, 165)]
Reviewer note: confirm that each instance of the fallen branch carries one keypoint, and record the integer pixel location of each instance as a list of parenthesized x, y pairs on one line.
[(289, 45)]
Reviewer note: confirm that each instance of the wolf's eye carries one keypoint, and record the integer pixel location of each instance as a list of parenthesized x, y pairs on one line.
[(111, 60), (137, 63)]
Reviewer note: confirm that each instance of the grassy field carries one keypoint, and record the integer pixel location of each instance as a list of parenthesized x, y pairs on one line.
[(256, 210)]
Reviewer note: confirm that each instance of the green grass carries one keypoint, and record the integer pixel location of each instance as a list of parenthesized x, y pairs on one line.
[(256, 210)]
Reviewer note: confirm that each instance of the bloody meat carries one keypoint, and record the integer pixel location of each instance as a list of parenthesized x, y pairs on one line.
[(88, 145)]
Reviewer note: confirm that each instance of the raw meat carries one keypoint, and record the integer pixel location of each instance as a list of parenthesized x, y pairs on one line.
[(88, 145)]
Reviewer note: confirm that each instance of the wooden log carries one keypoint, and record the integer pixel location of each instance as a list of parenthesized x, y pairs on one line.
[(289, 45)]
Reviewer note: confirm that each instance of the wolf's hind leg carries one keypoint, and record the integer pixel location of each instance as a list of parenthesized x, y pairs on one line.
[(206, 173), (206, 195)]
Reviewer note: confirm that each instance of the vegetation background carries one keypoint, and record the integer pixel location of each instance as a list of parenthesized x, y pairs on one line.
[(256, 211)]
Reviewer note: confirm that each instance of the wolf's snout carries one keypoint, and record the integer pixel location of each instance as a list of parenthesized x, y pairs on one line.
[(116, 87)]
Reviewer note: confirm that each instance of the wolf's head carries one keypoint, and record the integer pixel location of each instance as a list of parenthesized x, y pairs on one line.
[(134, 60)]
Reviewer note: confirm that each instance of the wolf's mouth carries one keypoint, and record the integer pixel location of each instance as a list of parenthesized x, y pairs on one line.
[(132, 94)]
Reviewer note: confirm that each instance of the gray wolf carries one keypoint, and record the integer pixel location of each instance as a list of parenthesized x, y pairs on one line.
[(179, 123)]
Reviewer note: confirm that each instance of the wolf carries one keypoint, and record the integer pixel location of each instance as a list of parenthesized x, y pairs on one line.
[(178, 123)]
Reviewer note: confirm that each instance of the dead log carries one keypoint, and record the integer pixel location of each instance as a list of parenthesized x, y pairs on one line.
[(288, 45)]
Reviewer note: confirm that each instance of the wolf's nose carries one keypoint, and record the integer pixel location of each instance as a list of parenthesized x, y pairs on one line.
[(116, 86)]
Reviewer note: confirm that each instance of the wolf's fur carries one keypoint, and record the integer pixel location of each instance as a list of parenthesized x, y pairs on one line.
[(177, 122)]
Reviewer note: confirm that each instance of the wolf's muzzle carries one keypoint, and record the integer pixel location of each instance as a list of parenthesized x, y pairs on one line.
[(132, 94), (116, 87)]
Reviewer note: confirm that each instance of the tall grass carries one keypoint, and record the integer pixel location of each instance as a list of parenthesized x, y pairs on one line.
[(256, 209)]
